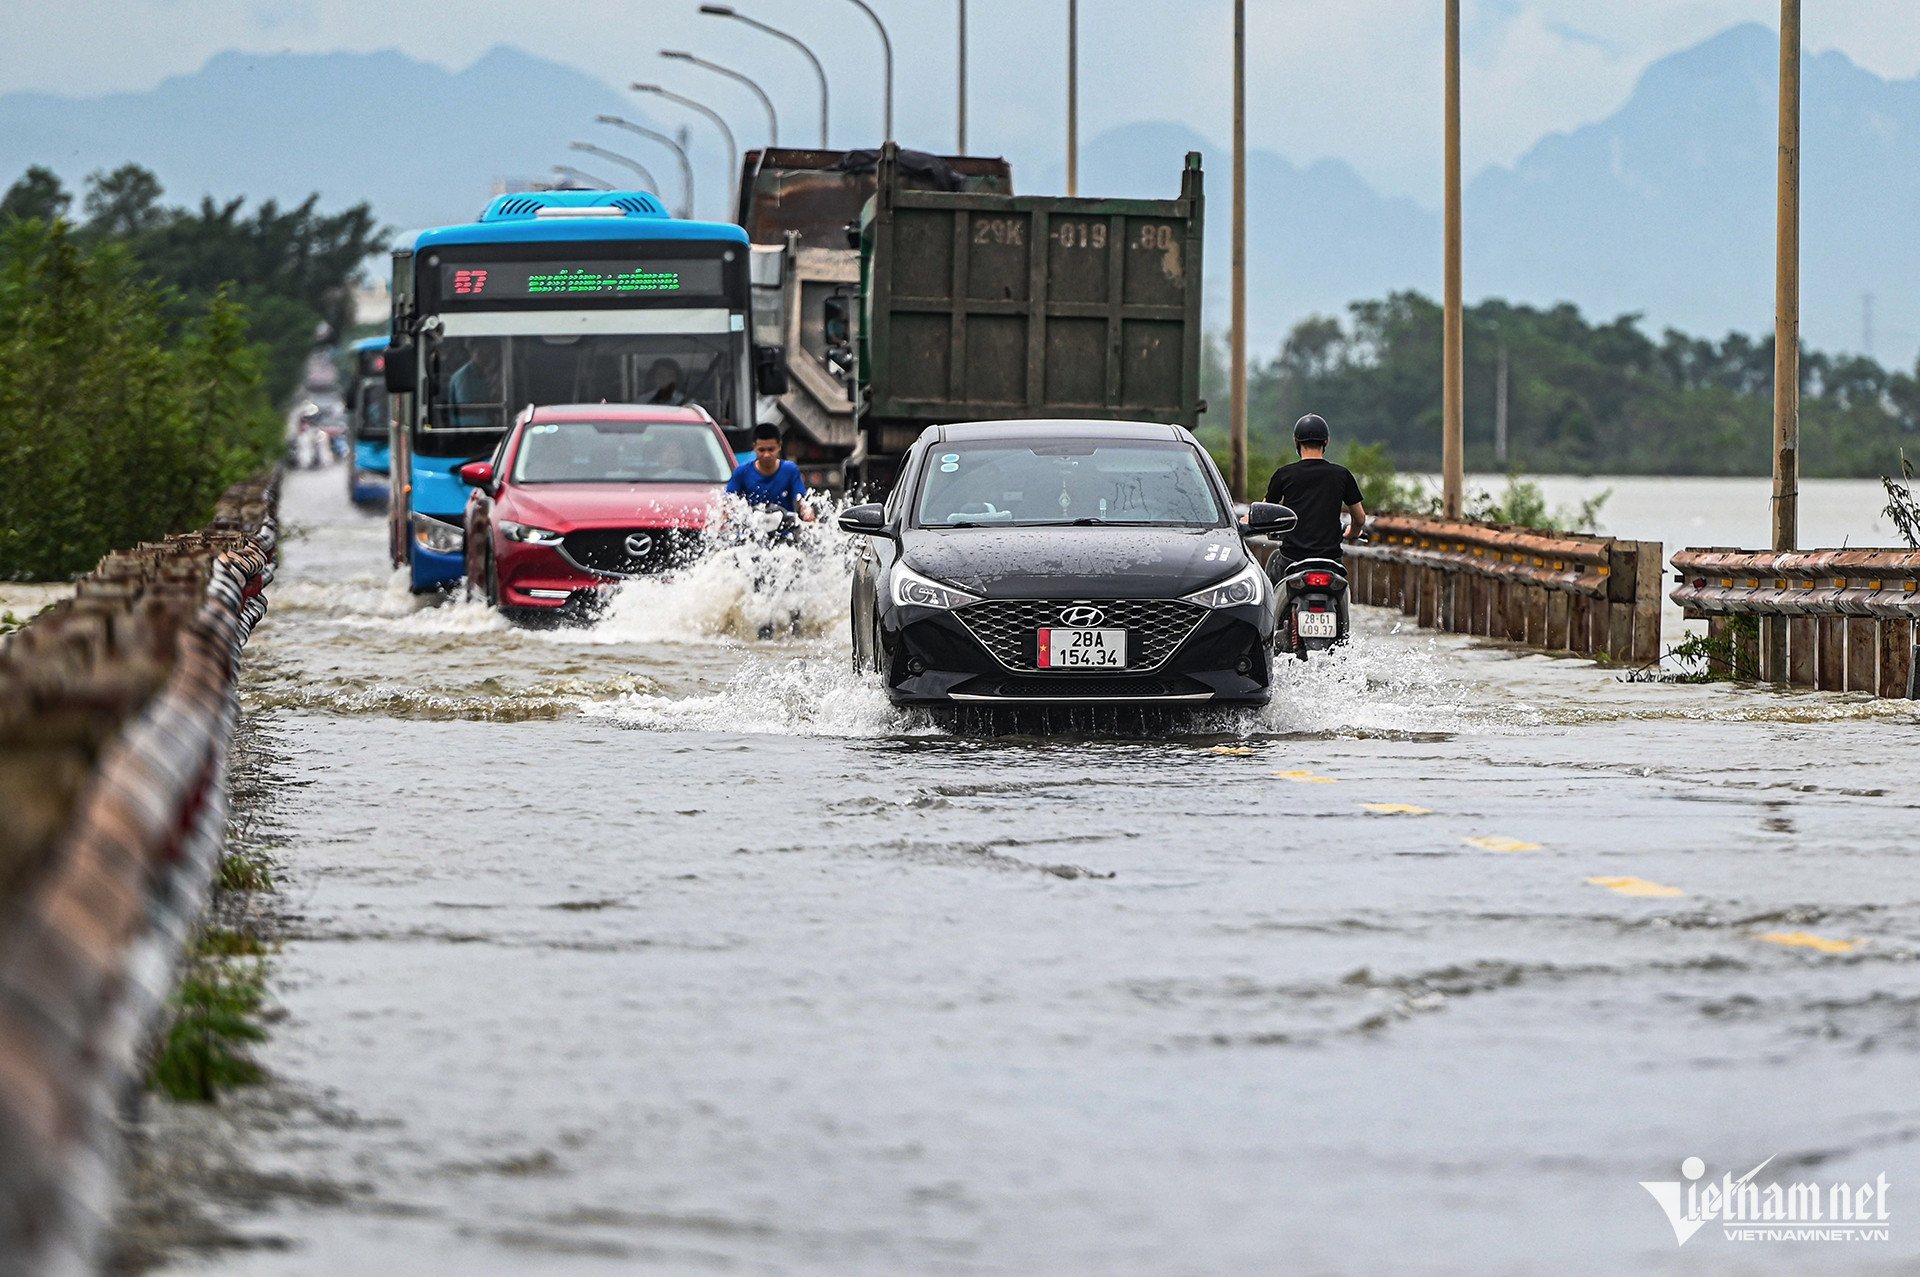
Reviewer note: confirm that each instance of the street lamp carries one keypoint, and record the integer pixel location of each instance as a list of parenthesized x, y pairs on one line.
[(728, 11), (679, 153), (619, 159), (577, 175), (886, 46), (773, 121), (733, 150)]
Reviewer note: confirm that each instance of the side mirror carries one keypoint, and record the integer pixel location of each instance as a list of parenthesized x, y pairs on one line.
[(769, 370), (1265, 519), (398, 369), (477, 474), (864, 520)]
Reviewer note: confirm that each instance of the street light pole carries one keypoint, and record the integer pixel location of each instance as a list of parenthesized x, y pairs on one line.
[(728, 11), (1073, 88), (1786, 293), (733, 149), (1237, 336), (961, 132), (886, 47), (1453, 393), (619, 159), (773, 121), (679, 153), (579, 176)]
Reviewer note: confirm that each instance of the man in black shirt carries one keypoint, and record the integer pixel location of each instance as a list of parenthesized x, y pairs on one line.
[(1316, 490)]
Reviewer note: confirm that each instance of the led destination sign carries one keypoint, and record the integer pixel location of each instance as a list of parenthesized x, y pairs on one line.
[(513, 281)]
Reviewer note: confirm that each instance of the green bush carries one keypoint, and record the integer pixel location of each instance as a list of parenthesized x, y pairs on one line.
[(117, 424)]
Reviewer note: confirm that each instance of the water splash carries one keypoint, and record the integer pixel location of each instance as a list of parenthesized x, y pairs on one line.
[(1384, 684), (818, 694)]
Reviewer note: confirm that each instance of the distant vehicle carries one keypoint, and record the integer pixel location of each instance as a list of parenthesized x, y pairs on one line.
[(578, 497), (369, 421), (552, 297), (1074, 562)]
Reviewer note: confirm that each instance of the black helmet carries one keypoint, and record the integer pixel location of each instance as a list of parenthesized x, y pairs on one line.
[(1311, 428)]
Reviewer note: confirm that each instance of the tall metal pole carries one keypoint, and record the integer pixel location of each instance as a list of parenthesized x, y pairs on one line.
[(733, 150), (727, 11), (1237, 416), (886, 47), (1786, 294), (961, 132), (773, 120), (639, 168), (679, 153), (1453, 387), (1073, 97)]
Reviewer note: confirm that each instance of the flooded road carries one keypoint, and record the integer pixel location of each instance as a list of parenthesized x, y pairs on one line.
[(649, 949)]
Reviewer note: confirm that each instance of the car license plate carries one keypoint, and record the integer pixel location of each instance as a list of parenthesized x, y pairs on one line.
[(1083, 649), (1319, 624)]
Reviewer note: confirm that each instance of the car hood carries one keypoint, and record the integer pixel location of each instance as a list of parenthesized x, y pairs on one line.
[(564, 507), (1098, 562)]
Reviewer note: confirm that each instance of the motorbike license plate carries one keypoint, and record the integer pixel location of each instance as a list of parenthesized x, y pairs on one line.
[(1083, 649), (1319, 624)]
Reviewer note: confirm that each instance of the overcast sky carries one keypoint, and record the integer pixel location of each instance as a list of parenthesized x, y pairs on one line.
[(1356, 79)]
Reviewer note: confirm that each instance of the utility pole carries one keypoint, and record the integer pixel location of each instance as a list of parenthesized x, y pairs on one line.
[(962, 131), (1237, 416), (1453, 379), (1786, 330), (1073, 97)]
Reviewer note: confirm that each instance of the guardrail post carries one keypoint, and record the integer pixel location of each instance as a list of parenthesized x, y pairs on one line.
[(1863, 666), (1649, 570), (1717, 665), (1773, 649), (1406, 586), (1803, 647), (1896, 656), (1516, 611), (1830, 667), (1745, 652), (1559, 612), (1537, 616), (1623, 566), (1480, 600), (1428, 610)]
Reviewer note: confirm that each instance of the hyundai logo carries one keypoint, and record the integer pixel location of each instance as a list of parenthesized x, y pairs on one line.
[(639, 545), (1083, 614)]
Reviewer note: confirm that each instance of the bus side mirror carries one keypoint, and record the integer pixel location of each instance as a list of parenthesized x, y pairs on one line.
[(399, 370), (769, 370)]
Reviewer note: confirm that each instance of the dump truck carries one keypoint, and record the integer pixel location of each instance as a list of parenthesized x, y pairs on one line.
[(896, 290)]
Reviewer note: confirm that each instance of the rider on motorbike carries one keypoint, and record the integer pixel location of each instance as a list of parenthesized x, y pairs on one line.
[(767, 480), (1316, 490)]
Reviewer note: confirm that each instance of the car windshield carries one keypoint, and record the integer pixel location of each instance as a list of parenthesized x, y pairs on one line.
[(1065, 482), (620, 452)]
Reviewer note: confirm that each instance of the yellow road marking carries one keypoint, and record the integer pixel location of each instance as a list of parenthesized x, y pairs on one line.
[(1501, 844), (1807, 940), (1236, 751), (1635, 887), (1397, 809), (1307, 778)]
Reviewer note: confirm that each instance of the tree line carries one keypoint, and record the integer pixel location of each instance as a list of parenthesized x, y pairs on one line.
[(1582, 397), (143, 352)]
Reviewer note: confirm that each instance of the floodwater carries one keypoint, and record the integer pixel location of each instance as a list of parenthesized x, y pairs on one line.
[(653, 948)]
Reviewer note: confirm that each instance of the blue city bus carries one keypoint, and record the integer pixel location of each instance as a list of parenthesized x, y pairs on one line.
[(368, 421), (551, 297)]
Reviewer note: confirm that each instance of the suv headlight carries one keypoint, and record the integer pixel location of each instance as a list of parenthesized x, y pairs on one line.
[(1245, 587), (440, 538), (910, 589), (531, 535)]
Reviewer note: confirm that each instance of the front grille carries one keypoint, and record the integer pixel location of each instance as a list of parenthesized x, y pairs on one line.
[(1155, 627), (605, 550)]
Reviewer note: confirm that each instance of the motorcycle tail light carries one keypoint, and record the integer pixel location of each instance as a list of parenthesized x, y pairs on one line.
[(1319, 578)]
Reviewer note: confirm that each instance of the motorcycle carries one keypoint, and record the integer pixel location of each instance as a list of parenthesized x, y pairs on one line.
[(767, 543), (1313, 607)]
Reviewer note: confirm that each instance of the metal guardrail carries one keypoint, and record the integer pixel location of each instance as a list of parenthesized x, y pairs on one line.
[(1845, 618), (1557, 591), (117, 708)]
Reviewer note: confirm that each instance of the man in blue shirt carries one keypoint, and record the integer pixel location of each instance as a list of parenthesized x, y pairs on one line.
[(769, 481)]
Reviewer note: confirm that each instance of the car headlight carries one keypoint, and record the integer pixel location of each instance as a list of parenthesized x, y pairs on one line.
[(440, 538), (1245, 587), (910, 589), (531, 535)]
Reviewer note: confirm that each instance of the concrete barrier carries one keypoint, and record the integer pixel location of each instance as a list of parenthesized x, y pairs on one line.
[(1839, 620), (117, 708), (1557, 591)]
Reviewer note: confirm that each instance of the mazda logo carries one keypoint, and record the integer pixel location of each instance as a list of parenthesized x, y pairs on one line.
[(1083, 614), (639, 545)]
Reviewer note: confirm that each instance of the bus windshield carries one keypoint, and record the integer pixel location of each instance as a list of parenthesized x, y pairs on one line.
[(620, 452), (370, 422), (478, 384)]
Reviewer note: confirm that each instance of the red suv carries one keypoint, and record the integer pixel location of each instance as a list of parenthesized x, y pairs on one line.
[(580, 496)]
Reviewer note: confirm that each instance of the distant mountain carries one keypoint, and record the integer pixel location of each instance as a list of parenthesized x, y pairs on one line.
[(422, 143)]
